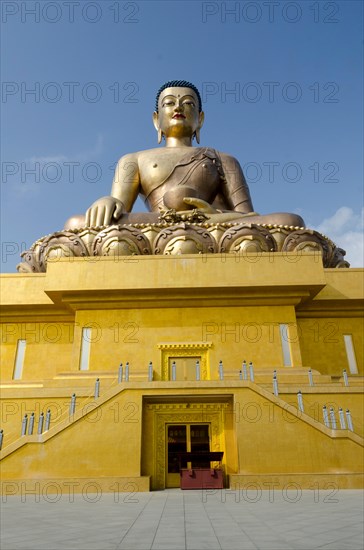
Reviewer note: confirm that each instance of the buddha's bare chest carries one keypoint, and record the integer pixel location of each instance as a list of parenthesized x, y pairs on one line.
[(156, 165)]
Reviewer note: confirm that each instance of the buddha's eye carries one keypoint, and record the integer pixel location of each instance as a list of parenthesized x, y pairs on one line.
[(168, 103)]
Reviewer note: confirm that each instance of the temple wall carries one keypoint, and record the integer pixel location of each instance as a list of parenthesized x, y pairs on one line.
[(280, 314), (116, 441), (324, 336)]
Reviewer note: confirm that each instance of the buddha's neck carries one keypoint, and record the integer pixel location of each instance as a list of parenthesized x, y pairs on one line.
[(179, 142)]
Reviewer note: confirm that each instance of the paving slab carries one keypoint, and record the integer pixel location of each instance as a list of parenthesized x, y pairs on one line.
[(185, 520)]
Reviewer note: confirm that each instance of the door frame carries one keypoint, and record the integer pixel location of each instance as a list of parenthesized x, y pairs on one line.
[(195, 349), (184, 413)]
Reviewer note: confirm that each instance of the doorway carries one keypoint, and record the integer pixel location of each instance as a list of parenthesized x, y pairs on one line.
[(184, 438)]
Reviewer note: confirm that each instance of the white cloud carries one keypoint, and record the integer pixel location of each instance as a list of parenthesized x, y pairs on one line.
[(345, 228)]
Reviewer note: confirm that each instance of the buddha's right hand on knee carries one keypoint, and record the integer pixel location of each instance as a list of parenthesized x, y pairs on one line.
[(104, 211)]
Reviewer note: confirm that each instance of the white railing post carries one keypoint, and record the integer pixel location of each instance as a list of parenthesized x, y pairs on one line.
[(24, 424), (275, 384), (325, 416), (120, 373), (72, 405), (221, 370), (40, 423), (349, 420), (198, 372), (310, 377), (342, 419), (48, 420), (251, 371), (31, 424), (150, 371), (300, 401), (97, 388), (346, 379), (332, 418), (174, 373)]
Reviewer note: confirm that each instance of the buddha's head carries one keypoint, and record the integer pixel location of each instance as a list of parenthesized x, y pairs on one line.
[(178, 110)]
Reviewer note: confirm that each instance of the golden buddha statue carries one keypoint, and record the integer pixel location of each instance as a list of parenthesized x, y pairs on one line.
[(179, 176), (198, 201)]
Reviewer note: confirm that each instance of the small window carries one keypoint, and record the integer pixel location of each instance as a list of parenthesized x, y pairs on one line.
[(19, 359), (286, 350), (350, 353), (85, 348)]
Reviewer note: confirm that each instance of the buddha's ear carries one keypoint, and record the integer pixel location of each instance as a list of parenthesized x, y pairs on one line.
[(201, 118), (156, 126), (155, 120)]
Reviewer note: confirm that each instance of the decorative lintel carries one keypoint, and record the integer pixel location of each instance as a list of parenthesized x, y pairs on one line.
[(191, 345)]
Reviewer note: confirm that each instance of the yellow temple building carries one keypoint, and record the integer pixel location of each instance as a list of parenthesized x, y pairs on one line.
[(112, 366), (198, 345)]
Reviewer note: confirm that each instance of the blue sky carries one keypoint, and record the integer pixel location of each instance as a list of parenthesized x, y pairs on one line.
[(293, 117)]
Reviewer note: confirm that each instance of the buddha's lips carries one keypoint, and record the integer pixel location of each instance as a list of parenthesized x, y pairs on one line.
[(179, 116)]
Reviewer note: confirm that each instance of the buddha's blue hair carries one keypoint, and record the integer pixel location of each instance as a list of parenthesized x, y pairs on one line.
[(179, 84)]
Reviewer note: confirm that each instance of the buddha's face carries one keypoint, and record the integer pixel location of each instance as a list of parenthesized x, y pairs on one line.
[(178, 114)]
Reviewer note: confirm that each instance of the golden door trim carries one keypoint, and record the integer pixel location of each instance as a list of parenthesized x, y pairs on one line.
[(171, 413), (185, 350)]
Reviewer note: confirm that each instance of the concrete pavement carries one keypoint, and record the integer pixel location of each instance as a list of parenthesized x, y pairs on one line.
[(185, 520)]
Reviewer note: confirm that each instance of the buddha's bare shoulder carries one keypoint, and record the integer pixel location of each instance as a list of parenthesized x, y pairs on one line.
[(144, 156), (227, 158)]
